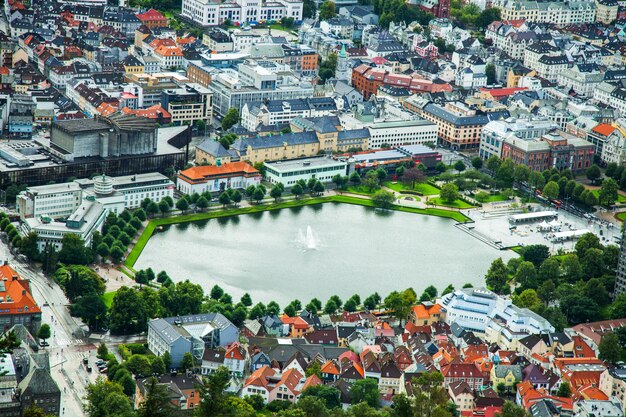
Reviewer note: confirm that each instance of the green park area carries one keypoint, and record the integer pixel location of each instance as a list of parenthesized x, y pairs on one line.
[(620, 198), (459, 204), (422, 188)]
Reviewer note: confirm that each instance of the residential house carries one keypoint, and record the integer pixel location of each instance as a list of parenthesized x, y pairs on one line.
[(505, 375), (467, 372), (235, 359), (462, 396)]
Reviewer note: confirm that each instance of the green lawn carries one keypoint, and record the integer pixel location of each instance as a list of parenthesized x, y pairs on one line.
[(359, 189), (493, 198), (620, 198), (424, 188), (460, 204), (185, 218), (621, 216), (108, 298)]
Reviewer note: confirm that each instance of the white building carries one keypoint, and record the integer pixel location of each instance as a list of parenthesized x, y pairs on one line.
[(81, 206), (290, 171), (482, 311), (87, 219), (560, 13), (58, 201), (210, 13), (409, 132), (281, 112)]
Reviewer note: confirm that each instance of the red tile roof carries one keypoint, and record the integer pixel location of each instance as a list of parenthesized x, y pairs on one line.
[(151, 15)]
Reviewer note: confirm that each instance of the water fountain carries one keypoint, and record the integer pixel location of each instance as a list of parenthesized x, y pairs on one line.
[(308, 240)]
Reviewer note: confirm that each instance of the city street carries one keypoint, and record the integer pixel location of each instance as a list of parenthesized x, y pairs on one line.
[(68, 344)]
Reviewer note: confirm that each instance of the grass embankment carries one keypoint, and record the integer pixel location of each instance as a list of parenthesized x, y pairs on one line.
[(108, 298), (423, 188), (621, 216), (185, 218)]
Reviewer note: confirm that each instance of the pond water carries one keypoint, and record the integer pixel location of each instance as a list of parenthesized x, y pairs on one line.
[(318, 251)]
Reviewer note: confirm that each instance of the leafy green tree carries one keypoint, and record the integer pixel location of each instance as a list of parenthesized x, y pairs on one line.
[(527, 299), (140, 214), (512, 410), (365, 390), (128, 313), (29, 247), (107, 399), (329, 395), (276, 192), (297, 190), (259, 194), (34, 411), (477, 162), (383, 199), (78, 280), (92, 311), (430, 396), (536, 254), (116, 253), (156, 401), (593, 173), (526, 275), (551, 190), (330, 307), (182, 205), (497, 276), (153, 208), (318, 188), (187, 362), (230, 119), (44, 332), (290, 310), (246, 300), (608, 192), (212, 393), (74, 251), (355, 178), (167, 360), (565, 390), (579, 309), (610, 348), (449, 193), (400, 303)]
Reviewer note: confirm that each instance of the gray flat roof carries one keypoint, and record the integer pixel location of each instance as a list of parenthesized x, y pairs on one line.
[(295, 164)]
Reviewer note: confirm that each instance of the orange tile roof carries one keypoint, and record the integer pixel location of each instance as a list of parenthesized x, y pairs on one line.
[(17, 298), (603, 129), (423, 312), (168, 51), (593, 393), (296, 322), (290, 379), (203, 173), (311, 381), (152, 112), (502, 92), (330, 368), (259, 377)]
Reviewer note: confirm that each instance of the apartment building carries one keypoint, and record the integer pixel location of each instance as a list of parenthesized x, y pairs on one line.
[(188, 104), (561, 13), (256, 81), (459, 126), (210, 13)]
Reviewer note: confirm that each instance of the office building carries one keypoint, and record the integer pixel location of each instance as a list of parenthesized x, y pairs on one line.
[(290, 171)]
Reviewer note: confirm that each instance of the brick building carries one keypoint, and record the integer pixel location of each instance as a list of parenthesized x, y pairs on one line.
[(556, 149), (366, 80)]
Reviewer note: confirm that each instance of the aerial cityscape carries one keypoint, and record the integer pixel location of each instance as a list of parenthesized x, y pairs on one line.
[(313, 208)]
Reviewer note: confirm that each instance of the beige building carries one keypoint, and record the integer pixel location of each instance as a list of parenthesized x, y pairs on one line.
[(613, 384), (606, 11)]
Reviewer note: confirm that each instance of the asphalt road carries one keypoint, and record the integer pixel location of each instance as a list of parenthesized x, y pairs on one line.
[(68, 344)]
